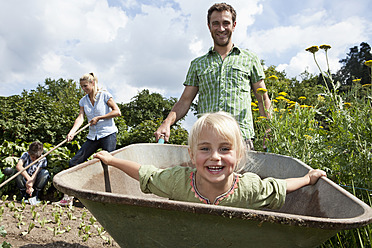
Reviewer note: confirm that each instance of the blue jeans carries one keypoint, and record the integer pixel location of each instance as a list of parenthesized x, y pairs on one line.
[(107, 143)]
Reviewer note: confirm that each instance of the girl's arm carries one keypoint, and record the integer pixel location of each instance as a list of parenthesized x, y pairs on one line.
[(78, 122), (129, 167), (309, 179), (115, 112)]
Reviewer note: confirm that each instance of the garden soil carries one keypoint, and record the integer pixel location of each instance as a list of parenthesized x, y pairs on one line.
[(54, 226)]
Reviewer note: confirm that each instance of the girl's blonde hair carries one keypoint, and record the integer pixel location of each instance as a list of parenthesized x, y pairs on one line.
[(92, 79), (225, 125)]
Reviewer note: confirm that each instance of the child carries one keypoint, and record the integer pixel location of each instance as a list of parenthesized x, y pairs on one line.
[(33, 180), (216, 150)]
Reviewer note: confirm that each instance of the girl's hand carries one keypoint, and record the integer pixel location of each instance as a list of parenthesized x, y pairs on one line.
[(314, 175), (104, 156)]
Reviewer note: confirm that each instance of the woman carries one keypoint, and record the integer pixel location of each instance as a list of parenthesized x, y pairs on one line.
[(100, 109)]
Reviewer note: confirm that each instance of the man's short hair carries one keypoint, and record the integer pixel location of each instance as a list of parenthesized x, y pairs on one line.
[(221, 7)]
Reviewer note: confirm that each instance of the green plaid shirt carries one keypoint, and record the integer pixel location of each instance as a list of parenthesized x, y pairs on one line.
[(225, 85)]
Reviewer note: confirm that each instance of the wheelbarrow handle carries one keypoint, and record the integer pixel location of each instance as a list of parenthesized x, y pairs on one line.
[(41, 157), (161, 139)]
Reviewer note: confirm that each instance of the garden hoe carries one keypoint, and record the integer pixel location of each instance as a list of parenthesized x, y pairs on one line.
[(19, 172)]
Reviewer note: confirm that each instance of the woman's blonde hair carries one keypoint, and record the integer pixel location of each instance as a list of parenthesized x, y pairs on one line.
[(92, 79), (225, 125)]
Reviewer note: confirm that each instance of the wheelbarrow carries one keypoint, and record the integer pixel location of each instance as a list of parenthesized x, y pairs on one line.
[(310, 215)]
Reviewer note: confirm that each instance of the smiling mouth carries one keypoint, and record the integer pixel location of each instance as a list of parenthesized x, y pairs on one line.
[(215, 169)]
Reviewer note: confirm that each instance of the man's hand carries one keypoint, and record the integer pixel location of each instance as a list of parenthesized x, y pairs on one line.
[(163, 132)]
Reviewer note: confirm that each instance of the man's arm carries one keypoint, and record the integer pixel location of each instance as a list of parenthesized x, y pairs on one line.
[(178, 111), (264, 103)]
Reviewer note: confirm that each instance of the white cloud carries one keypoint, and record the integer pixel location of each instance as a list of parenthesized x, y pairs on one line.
[(287, 43), (132, 45)]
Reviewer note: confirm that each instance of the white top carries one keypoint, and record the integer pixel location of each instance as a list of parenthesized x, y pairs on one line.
[(104, 127)]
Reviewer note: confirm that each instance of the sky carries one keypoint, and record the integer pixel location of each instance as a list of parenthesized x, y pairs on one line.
[(149, 44)]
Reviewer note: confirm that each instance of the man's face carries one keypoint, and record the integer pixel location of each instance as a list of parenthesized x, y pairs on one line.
[(221, 27)]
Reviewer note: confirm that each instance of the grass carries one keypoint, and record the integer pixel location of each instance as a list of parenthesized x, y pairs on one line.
[(333, 133)]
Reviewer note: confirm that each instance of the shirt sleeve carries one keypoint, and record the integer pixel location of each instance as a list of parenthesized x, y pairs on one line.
[(191, 77), (43, 163), (161, 182), (81, 102), (106, 96), (24, 157), (265, 193), (257, 72)]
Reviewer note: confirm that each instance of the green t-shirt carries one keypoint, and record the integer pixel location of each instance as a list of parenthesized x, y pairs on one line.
[(225, 85), (247, 191)]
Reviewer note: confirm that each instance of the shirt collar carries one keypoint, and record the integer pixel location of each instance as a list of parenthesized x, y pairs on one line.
[(233, 49)]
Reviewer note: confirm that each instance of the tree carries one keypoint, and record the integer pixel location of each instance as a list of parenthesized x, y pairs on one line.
[(146, 106), (45, 114), (143, 115), (354, 67)]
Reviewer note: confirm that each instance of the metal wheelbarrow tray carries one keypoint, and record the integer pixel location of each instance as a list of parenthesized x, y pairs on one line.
[(310, 216)]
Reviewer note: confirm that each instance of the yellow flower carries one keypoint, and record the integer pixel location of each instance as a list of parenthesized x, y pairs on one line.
[(276, 109), (321, 127), (261, 117), (282, 94), (368, 63), (304, 106), (274, 100), (308, 137), (302, 98), (357, 80), (325, 47), (280, 98), (311, 129), (312, 49), (255, 109), (253, 104), (273, 77), (292, 102), (321, 98), (365, 85), (292, 106), (261, 91), (347, 104)]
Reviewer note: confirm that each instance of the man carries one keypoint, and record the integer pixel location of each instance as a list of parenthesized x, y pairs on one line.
[(223, 78)]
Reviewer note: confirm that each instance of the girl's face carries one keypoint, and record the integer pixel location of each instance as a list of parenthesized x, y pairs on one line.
[(214, 157), (87, 86)]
